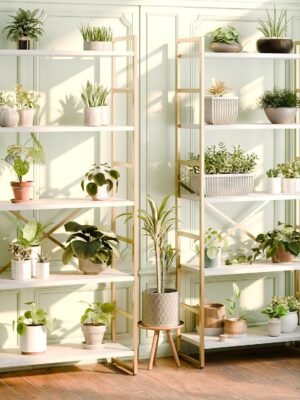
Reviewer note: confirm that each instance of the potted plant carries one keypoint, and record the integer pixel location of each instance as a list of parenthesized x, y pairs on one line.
[(25, 25), (226, 40), (221, 107), (42, 266), (9, 117), (280, 244), (96, 37), (94, 322), (291, 176), (21, 262), (93, 248), (32, 328), (213, 242), (214, 314), (289, 322), (20, 157), (96, 111), (275, 312), (280, 105), (274, 31), (273, 183), (101, 180), (27, 103), (236, 325)]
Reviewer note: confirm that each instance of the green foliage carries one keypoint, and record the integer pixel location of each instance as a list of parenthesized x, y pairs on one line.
[(290, 169), (240, 259), (94, 95), (42, 258), (275, 310), (275, 26), (227, 34), (30, 234), (233, 304), (21, 156), (291, 302), (279, 98), (213, 240), (20, 252), (100, 175), (274, 173), (7, 100), (25, 23), (87, 242), (98, 314), (96, 33), (26, 100), (33, 316)]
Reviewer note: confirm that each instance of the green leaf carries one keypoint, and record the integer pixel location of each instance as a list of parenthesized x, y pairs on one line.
[(67, 255), (99, 179), (212, 252), (236, 290), (84, 250), (21, 328), (29, 230), (21, 167), (92, 188), (107, 307)]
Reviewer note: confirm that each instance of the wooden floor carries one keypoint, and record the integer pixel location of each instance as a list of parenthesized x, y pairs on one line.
[(246, 375)]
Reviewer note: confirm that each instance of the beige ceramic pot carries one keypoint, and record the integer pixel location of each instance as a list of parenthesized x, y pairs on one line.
[(281, 115), (90, 268), (235, 327)]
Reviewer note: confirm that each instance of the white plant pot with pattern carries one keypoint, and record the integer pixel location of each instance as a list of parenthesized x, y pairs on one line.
[(221, 110), (97, 46), (291, 185)]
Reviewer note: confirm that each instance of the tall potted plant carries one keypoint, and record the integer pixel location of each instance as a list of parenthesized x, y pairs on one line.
[(27, 103), (236, 324), (96, 37), (101, 179), (96, 110), (226, 40), (280, 105)]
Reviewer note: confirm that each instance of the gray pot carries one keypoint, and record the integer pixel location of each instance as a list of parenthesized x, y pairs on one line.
[(9, 117), (220, 47), (281, 115), (216, 262), (160, 309), (90, 268), (93, 334)]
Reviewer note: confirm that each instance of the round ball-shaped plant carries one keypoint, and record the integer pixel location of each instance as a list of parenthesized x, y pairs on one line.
[(226, 34), (102, 175)]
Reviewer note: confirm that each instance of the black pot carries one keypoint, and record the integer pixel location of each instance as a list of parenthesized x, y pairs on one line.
[(24, 44), (274, 45)]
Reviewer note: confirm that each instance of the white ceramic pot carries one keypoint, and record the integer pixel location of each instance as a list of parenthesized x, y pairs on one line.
[(290, 185), (97, 46), (42, 270), (35, 250), (92, 116), (34, 340), (274, 327), (221, 110), (228, 184), (273, 185), (21, 270), (9, 117), (289, 322), (26, 117), (102, 193), (216, 262), (93, 334), (104, 115), (281, 115)]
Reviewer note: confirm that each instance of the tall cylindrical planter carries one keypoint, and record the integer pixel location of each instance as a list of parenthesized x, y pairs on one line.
[(21, 270), (221, 110), (93, 334), (35, 250), (42, 270), (26, 117), (34, 340), (273, 185), (291, 185), (274, 327), (289, 322), (92, 116), (216, 262), (160, 309)]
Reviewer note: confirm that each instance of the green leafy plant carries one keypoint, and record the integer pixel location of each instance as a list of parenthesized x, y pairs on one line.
[(218, 88), (96, 33), (98, 314), (21, 156), (233, 304), (7, 100), (240, 259), (274, 173), (275, 310), (31, 233), (32, 317), (227, 34), (25, 23), (279, 98), (94, 95), (213, 241), (26, 100), (290, 169), (275, 26), (100, 175), (291, 302), (20, 252), (87, 242)]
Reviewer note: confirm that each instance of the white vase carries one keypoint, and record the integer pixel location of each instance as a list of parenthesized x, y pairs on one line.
[(291, 185), (274, 327), (273, 185), (42, 270), (289, 322), (9, 117), (97, 46), (102, 193), (21, 270), (281, 115), (92, 116), (35, 250), (104, 115), (26, 117), (34, 340)]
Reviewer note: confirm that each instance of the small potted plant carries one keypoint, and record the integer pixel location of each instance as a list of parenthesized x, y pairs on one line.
[(32, 328), (93, 248), (100, 180), (280, 105), (274, 31), (236, 325), (289, 322), (281, 244), (221, 107), (27, 102), (213, 242), (96, 110), (94, 322), (25, 25), (226, 40), (42, 266), (291, 176), (19, 157), (9, 117), (275, 312), (96, 37), (273, 183), (21, 262)]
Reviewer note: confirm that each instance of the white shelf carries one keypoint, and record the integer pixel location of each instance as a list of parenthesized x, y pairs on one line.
[(65, 53), (57, 204), (256, 196), (12, 358), (67, 128), (255, 336), (67, 279), (244, 55), (257, 268), (243, 126)]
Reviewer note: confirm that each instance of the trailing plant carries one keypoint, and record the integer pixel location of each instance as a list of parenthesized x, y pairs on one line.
[(240, 259), (290, 169), (98, 314), (87, 242), (25, 23), (33, 317), (20, 252), (94, 95), (279, 98), (213, 241), (274, 172), (100, 175), (218, 88), (227, 34), (275, 310), (31, 233), (275, 26), (21, 156), (233, 304), (26, 100), (291, 302), (96, 33)]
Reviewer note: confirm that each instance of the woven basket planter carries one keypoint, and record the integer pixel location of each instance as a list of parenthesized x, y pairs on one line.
[(221, 110), (235, 327), (214, 314)]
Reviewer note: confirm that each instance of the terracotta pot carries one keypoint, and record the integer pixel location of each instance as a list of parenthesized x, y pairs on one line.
[(219, 47), (282, 256), (281, 115), (235, 327), (274, 45), (90, 268), (22, 191)]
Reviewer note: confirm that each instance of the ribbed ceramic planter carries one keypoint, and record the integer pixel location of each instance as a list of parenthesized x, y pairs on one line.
[(216, 262), (289, 322), (281, 115), (235, 327), (26, 117), (290, 185), (90, 268), (214, 315), (21, 270), (274, 45), (97, 46), (22, 191), (34, 340), (273, 185), (9, 117), (221, 110), (160, 309), (274, 327), (220, 47), (42, 270), (228, 184), (93, 334)]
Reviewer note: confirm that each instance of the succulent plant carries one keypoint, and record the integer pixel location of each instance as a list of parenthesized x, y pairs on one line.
[(290, 169), (94, 95), (20, 252), (26, 100), (275, 26), (42, 258), (227, 34), (218, 88), (274, 173)]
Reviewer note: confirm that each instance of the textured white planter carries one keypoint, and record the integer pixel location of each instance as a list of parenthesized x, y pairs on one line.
[(104, 115), (90, 268), (35, 250), (102, 193), (274, 327), (281, 115), (289, 322), (42, 270), (92, 116), (93, 334), (97, 46), (273, 185), (21, 270), (34, 340), (221, 110), (9, 117), (290, 185), (228, 184), (26, 117)]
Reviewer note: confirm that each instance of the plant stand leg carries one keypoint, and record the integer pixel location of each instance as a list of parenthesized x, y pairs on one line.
[(155, 354), (173, 348), (153, 349)]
